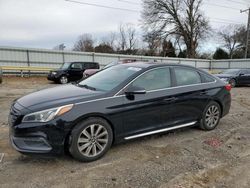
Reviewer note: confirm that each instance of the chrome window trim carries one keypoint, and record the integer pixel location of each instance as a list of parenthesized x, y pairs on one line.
[(176, 87), (117, 94), (160, 130), (163, 88)]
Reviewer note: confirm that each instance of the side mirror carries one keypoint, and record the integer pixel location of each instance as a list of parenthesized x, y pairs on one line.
[(134, 90)]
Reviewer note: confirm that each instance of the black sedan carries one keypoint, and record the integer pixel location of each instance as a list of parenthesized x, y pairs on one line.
[(120, 103), (235, 77)]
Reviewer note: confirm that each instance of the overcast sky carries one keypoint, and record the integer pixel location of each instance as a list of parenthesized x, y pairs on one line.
[(47, 23)]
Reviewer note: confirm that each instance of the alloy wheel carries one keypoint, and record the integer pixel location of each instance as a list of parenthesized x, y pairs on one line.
[(212, 116), (92, 140), (64, 80)]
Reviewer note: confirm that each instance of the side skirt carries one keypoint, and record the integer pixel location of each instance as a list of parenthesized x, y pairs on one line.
[(161, 130)]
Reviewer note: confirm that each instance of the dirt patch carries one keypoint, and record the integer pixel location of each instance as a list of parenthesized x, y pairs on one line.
[(183, 158)]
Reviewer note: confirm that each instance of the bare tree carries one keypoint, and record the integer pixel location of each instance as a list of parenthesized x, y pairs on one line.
[(84, 43), (110, 40), (153, 42), (122, 38), (179, 18), (59, 47), (233, 37), (131, 33), (127, 37)]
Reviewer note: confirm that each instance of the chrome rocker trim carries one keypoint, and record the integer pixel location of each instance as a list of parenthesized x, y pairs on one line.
[(161, 130)]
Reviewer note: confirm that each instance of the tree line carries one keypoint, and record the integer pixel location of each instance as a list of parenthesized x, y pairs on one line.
[(171, 28)]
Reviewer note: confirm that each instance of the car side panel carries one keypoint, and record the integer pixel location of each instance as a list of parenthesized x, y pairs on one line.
[(144, 112), (187, 108), (222, 96), (109, 108), (75, 74), (244, 79)]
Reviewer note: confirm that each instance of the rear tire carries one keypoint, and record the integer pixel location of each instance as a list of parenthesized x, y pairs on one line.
[(211, 116), (91, 139)]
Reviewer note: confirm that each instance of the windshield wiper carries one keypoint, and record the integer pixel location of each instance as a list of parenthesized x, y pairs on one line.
[(87, 87)]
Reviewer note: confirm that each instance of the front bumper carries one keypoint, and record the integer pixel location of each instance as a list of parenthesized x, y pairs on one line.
[(53, 77), (38, 138), (30, 144)]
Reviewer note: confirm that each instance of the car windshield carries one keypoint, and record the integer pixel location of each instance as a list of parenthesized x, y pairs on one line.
[(108, 79), (231, 71), (65, 65)]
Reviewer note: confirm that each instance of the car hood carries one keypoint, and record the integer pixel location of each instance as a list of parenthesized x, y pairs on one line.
[(57, 96), (224, 75)]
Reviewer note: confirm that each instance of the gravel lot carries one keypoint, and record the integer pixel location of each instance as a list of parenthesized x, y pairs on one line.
[(184, 158)]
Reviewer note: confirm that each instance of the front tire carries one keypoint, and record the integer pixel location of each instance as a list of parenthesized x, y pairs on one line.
[(211, 116), (91, 139), (63, 80)]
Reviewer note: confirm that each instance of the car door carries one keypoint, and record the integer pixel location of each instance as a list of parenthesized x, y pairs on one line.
[(143, 113), (76, 72), (244, 77), (190, 97), (85, 66)]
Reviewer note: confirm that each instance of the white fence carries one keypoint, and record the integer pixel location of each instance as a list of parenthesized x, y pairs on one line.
[(10, 56), (230, 64)]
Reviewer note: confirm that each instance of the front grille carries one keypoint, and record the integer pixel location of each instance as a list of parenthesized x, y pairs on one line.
[(14, 116)]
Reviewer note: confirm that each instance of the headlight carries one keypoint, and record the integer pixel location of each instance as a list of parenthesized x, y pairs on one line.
[(54, 73), (47, 115)]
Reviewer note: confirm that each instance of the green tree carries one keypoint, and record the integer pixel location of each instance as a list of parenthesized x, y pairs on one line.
[(104, 48), (182, 54), (168, 49), (220, 54)]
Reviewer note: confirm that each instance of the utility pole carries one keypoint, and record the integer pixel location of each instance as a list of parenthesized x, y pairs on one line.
[(248, 32)]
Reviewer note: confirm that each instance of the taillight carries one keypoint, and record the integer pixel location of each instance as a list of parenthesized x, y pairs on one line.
[(228, 87)]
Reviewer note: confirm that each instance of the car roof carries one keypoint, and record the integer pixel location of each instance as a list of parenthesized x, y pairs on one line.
[(145, 65)]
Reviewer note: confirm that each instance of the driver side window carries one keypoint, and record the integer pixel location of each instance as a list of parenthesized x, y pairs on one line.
[(155, 79)]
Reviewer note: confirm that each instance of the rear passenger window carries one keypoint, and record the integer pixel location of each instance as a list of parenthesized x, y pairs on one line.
[(86, 65), (154, 79), (94, 66), (207, 78), (91, 66), (186, 77)]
